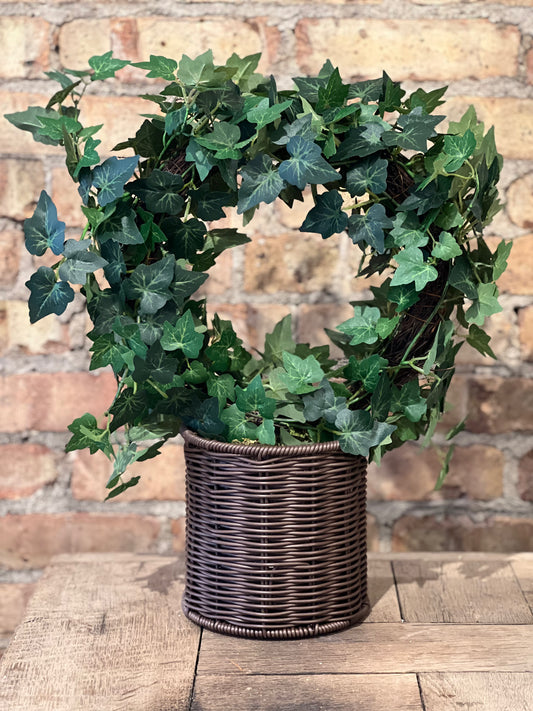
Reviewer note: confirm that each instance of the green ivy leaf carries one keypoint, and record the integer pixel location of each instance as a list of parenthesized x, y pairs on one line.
[(301, 127), (261, 183), (160, 192), (55, 126), (87, 434), (253, 399), (428, 100), (362, 326), (323, 403), (327, 217), (43, 230), (360, 432), (208, 204), (105, 66), (458, 149), (157, 365), (413, 268), (409, 401), (306, 165), (361, 141), (262, 113), (370, 174), (500, 258), (279, 341), (382, 397), (111, 176), (480, 340), (30, 120), (89, 158), (301, 373), (128, 407), (206, 420), (159, 67), (417, 127), (266, 432), (200, 70), (184, 238), (404, 296), (366, 371), (238, 426), (446, 248), (184, 284), (484, 305), (407, 231), (150, 284), (221, 239), (182, 336), (221, 386), (48, 296), (202, 158), (369, 227), (79, 261), (120, 226), (461, 277), (106, 351), (334, 94), (223, 140)]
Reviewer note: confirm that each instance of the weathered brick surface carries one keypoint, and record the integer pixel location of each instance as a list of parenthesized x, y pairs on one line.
[(81, 39), (314, 318), (10, 246), (162, 478), (520, 201), (406, 48), (511, 117), (50, 401), (525, 320), (120, 116), (17, 335), (13, 600), (521, 3), (496, 534), (500, 405), (291, 262), (177, 529), (192, 36), (29, 541), (20, 185), (66, 198), (14, 141), (25, 46), (525, 474), (26, 468), (410, 474)]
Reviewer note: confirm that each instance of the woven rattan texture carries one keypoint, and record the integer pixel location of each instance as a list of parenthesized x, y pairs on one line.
[(276, 543)]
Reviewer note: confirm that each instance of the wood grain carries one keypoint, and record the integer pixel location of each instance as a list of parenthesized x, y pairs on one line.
[(523, 568), (382, 592), (468, 591), (321, 692), (497, 691), (103, 633), (390, 648)]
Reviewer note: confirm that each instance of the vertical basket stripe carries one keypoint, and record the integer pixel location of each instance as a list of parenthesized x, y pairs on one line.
[(276, 538)]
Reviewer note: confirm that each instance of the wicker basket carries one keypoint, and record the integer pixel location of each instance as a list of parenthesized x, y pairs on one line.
[(276, 539)]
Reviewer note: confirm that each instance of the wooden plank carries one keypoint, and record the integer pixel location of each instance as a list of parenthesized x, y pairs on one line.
[(380, 647), (523, 569), (320, 692), (497, 691), (451, 555), (102, 633), (382, 592), (468, 591)]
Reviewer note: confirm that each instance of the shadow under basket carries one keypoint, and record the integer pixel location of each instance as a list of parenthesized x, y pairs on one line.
[(276, 539)]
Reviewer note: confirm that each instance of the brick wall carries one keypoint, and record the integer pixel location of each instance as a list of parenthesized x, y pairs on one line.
[(52, 503)]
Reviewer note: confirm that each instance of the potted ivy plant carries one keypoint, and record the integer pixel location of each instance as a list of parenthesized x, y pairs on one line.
[(277, 442)]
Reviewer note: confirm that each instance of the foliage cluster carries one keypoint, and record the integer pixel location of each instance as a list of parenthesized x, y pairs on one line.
[(415, 201)]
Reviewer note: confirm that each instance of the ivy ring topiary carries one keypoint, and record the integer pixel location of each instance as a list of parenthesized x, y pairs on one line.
[(413, 200)]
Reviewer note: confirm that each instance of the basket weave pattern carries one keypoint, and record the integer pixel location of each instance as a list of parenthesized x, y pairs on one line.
[(276, 538)]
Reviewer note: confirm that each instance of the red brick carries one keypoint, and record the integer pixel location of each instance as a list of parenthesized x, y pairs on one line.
[(372, 533), (291, 262), (26, 468), (409, 49), (502, 332), (29, 541), (66, 198), (525, 321), (177, 529), (25, 47), (410, 474), (500, 405), (529, 64), (13, 600), (120, 116), (525, 476), (516, 279), (192, 36), (520, 201), (456, 404), (48, 402), (221, 276), (18, 335), (162, 478), (250, 321), (314, 318), (10, 246), (21, 182), (80, 39), (511, 117), (497, 534)]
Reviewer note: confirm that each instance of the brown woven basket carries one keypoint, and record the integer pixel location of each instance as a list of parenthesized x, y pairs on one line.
[(276, 538)]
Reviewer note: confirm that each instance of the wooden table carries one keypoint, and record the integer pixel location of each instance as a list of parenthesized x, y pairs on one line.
[(106, 633)]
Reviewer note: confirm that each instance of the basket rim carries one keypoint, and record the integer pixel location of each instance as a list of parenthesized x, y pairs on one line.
[(264, 450)]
